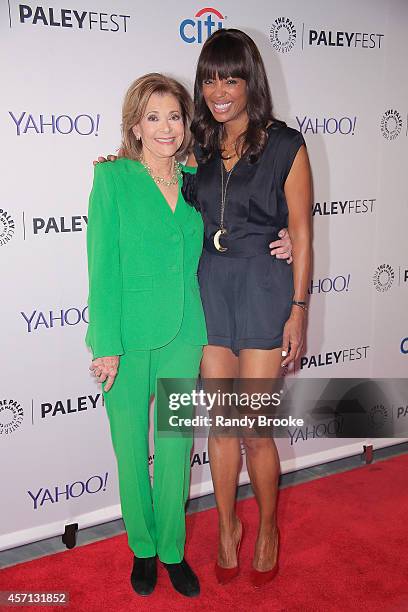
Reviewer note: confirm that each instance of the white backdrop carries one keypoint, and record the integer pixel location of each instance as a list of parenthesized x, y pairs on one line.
[(337, 72)]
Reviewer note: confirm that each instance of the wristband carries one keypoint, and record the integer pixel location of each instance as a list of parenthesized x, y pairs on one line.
[(301, 305)]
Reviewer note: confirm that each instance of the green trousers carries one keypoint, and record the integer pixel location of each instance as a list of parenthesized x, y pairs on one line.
[(154, 516)]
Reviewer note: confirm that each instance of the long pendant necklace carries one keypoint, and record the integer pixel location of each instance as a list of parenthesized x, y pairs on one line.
[(222, 231), (159, 179)]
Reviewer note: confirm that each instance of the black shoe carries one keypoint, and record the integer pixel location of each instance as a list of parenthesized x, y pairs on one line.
[(144, 575), (183, 578)]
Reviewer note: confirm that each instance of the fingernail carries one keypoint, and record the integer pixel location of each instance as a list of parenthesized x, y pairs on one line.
[(284, 353)]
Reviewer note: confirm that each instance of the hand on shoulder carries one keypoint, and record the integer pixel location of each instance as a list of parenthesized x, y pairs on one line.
[(102, 160)]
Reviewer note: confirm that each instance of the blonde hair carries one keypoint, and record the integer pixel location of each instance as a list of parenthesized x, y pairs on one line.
[(134, 106)]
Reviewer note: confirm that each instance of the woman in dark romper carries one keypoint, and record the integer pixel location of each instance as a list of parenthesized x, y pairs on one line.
[(253, 179)]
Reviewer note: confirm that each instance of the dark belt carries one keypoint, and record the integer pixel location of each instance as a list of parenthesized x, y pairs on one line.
[(247, 246)]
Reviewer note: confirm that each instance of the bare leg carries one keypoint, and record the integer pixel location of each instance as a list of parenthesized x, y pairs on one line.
[(262, 459), (225, 456)]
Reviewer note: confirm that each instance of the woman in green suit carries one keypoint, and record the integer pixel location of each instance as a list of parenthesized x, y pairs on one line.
[(146, 317)]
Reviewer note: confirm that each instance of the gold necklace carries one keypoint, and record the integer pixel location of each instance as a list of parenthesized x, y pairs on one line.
[(159, 179), (231, 147), (222, 231), (226, 155)]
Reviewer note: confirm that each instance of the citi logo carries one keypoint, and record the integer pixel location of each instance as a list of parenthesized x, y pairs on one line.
[(199, 29)]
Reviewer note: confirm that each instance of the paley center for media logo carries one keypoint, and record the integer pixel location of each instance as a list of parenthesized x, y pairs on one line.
[(391, 124), (74, 19), (385, 275), (12, 412), (39, 227), (283, 35), (201, 26), (11, 416), (7, 227)]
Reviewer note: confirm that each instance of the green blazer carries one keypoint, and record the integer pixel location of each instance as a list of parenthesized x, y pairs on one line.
[(142, 263)]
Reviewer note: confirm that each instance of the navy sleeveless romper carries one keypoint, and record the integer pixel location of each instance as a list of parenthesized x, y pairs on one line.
[(246, 292)]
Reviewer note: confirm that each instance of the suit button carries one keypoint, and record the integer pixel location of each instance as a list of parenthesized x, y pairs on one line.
[(174, 269), (175, 238)]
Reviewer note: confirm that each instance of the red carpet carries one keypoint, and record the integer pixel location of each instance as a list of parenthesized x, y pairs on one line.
[(344, 548)]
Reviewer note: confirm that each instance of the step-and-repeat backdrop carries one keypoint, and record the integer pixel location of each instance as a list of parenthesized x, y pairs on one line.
[(337, 73)]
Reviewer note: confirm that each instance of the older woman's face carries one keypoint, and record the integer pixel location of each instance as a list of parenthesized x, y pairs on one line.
[(161, 127)]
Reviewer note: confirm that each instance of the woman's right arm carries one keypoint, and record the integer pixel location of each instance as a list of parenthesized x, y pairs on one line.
[(104, 272), (298, 189)]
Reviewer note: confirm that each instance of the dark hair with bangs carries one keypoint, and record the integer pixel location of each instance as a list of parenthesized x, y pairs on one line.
[(232, 53)]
